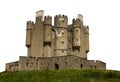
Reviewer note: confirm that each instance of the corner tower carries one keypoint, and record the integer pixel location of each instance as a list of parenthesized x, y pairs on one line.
[(61, 36)]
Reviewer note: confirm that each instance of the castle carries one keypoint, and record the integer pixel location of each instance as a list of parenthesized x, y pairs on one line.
[(61, 46)]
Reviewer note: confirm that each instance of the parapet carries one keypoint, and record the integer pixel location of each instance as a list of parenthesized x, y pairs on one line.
[(61, 21), (76, 22), (30, 25), (86, 29), (48, 20)]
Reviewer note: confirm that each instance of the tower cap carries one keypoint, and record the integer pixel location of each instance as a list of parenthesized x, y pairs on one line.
[(80, 16), (39, 13)]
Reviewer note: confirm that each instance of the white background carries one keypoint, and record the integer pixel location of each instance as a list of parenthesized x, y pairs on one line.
[(102, 16)]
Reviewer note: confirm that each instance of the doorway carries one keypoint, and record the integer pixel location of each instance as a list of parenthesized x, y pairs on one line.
[(56, 66)]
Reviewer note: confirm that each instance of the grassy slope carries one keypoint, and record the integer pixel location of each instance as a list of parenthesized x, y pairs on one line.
[(62, 76)]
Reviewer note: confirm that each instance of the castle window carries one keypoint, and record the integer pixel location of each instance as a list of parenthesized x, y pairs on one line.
[(77, 30), (77, 39), (65, 63), (62, 33), (62, 21), (62, 43), (48, 64), (69, 49), (62, 51)]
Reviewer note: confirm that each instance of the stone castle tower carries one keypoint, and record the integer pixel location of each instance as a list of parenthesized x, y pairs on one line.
[(45, 40), (58, 46)]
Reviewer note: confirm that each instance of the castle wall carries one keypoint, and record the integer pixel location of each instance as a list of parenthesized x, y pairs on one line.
[(62, 62), (12, 66)]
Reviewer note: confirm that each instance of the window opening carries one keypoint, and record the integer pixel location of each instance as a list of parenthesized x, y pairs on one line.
[(62, 21), (77, 39), (77, 30), (62, 33), (62, 43), (65, 63)]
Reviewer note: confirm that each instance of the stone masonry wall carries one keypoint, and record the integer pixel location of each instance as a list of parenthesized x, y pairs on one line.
[(63, 62)]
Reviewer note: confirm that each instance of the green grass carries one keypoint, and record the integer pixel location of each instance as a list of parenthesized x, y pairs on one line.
[(61, 76)]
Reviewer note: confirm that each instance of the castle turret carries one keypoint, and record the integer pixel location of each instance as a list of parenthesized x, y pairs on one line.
[(86, 36), (76, 33), (28, 35), (47, 33), (47, 29), (61, 37)]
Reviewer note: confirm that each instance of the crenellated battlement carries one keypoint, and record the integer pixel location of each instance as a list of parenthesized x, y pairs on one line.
[(30, 25), (86, 29), (61, 16), (61, 21), (48, 20), (76, 22)]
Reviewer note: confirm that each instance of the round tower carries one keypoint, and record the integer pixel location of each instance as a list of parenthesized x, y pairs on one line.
[(86, 36), (30, 26), (47, 29), (61, 36), (47, 36), (28, 33), (76, 33)]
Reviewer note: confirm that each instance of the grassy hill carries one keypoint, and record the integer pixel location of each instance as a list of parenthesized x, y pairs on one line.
[(61, 76)]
